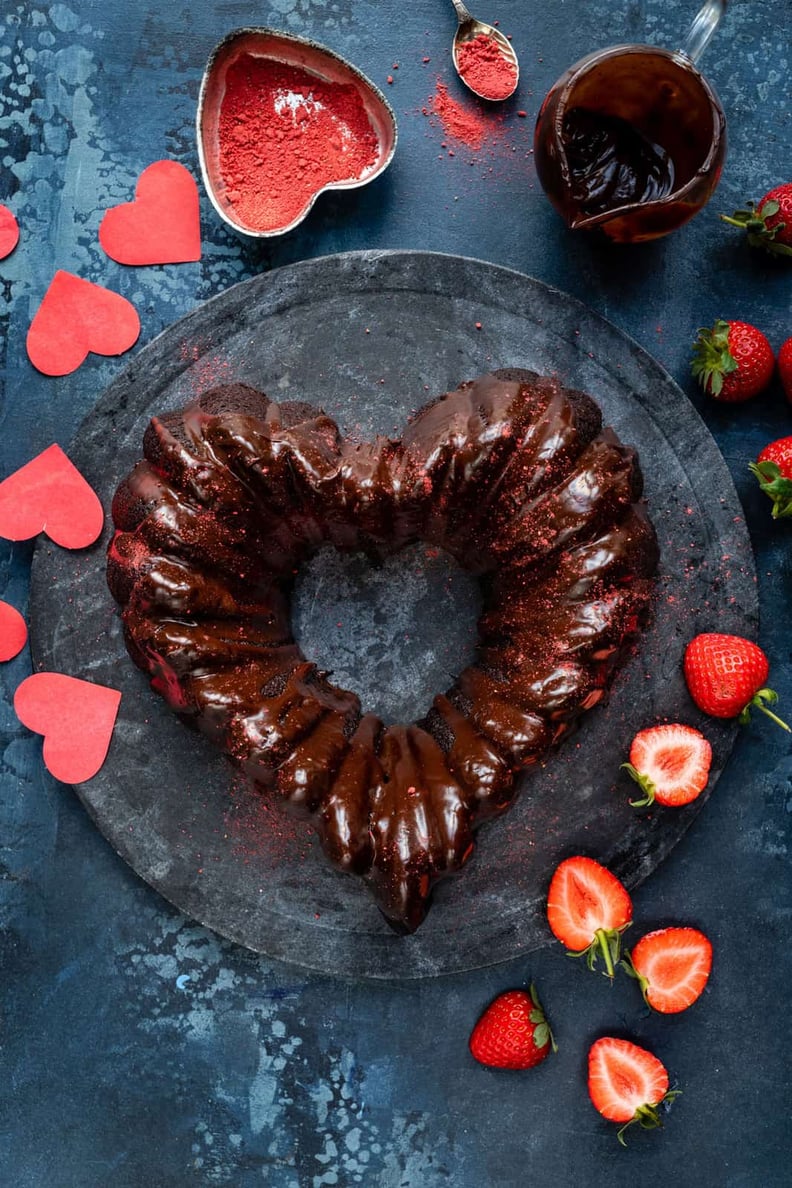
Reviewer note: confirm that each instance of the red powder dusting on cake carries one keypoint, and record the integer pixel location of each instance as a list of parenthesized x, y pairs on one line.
[(285, 134), (485, 67), (459, 121)]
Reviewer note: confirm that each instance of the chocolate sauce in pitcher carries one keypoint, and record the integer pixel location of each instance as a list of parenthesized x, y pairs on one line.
[(612, 164)]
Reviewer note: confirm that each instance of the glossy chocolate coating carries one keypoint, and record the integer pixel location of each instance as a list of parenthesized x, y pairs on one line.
[(512, 474)]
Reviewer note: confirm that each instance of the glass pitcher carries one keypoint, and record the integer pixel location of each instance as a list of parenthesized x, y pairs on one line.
[(631, 139)]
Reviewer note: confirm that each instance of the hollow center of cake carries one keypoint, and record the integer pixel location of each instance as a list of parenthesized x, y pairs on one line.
[(396, 634)]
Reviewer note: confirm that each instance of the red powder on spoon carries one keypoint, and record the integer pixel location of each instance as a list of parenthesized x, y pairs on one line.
[(484, 67), (284, 134)]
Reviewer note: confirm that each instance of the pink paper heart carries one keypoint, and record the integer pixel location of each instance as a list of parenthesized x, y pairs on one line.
[(76, 718), (13, 631), (162, 225), (75, 317), (9, 232), (48, 494)]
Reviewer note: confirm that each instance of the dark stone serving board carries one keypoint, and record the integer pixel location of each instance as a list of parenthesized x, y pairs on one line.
[(371, 336)]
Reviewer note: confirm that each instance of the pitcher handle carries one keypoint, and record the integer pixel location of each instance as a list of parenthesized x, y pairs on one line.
[(701, 31)]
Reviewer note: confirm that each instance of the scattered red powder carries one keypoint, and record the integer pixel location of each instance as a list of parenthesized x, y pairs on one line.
[(485, 67), (460, 122), (205, 371), (285, 134)]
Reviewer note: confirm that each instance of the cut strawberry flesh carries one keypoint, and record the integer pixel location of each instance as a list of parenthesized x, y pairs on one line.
[(623, 1078), (676, 964), (675, 759), (584, 898)]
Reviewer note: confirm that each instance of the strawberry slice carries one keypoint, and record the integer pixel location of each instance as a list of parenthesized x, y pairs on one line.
[(627, 1084), (670, 764), (587, 910), (672, 966), (513, 1032)]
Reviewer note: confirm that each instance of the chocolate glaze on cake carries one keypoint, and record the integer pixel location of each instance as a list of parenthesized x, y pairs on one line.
[(512, 474)]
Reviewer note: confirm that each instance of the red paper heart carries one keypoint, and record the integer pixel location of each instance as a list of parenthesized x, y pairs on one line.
[(76, 718), (9, 232), (13, 631), (76, 317), (162, 225), (50, 495)]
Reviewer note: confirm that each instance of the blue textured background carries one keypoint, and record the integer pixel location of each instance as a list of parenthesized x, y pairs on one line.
[(139, 1050)]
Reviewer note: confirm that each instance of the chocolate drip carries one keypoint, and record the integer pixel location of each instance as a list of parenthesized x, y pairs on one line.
[(512, 474)]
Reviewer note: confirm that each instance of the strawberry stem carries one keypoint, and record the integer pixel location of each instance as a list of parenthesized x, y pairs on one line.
[(754, 222), (775, 486), (741, 219), (759, 700), (604, 941), (644, 783), (627, 965), (648, 1116), (712, 357)]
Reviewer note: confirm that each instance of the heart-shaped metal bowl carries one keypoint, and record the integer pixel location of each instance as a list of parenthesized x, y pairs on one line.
[(303, 54)]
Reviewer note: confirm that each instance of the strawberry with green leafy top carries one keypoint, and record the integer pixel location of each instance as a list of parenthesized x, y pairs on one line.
[(768, 223), (588, 909), (627, 1084), (732, 361), (513, 1032), (725, 676), (773, 468), (672, 966), (670, 764)]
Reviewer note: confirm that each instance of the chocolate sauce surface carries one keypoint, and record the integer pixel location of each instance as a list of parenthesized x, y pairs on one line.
[(612, 163)]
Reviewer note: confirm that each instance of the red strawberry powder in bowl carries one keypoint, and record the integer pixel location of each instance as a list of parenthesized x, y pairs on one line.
[(280, 120)]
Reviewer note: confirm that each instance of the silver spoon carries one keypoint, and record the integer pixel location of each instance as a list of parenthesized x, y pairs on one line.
[(467, 29)]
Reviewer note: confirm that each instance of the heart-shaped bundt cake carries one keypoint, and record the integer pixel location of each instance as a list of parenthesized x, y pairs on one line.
[(512, 474)]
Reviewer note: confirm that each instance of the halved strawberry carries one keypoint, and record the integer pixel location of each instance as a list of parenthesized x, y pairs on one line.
[(627, 1084), (587, 910), (672, 966), (513, 1032), (670, 764)]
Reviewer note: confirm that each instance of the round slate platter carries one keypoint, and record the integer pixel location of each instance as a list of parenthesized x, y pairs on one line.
[(370, 337)]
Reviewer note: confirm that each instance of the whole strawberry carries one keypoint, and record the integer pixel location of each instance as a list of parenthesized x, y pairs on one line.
[(785, 368), (725, 676), (769, 222), (513, 1032), (773, 468), (733, 361)]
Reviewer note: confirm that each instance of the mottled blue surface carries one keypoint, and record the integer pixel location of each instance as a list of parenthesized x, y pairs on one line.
[(136, 1048)]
